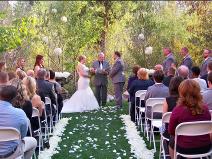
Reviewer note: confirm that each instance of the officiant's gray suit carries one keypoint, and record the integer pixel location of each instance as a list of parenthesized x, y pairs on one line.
[(101, 81), (118, 79)]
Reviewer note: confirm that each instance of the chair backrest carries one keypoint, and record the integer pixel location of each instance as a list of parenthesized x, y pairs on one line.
[(196, 128), (166, 117), (142, 95), (153, 101), (139, 92), (9, 134), (211, 113), (48, 100), (35, 112), (157, 108)]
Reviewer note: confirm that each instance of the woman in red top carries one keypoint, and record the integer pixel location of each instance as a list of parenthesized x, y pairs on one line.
[(38, 64), (189, 108)]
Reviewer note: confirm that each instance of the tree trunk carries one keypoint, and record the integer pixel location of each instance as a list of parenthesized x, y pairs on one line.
[(107, 7)]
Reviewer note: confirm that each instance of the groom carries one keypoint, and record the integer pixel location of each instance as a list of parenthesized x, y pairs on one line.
[(101, 69), (118, 78)]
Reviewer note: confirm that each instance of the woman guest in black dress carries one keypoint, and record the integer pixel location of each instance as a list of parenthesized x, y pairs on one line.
[(142, 83), (170, 103), (134, 76)]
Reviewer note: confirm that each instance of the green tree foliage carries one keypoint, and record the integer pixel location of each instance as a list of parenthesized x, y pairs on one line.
[(93, 26)]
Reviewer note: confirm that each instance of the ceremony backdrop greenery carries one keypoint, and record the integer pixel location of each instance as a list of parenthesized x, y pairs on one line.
[(94, 26)]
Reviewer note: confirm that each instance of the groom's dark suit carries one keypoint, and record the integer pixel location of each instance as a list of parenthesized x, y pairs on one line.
[(101, 81)]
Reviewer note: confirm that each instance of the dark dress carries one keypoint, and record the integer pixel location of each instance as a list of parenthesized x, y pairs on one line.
[(171, 102), (135, 86), (167, 80), (130, 80), (27, 108)]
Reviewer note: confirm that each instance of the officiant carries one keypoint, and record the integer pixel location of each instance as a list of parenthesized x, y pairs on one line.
[(101, 69)]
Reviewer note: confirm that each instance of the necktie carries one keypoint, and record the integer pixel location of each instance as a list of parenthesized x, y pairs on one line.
[(100, 65)]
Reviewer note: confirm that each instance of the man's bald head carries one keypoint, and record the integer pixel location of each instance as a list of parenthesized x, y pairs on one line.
[(183, 71)]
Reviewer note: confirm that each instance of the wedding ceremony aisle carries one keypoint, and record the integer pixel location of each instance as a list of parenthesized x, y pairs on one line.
[(105, 133)]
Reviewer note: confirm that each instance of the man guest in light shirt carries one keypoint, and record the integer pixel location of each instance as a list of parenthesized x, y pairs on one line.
[(14, 118)]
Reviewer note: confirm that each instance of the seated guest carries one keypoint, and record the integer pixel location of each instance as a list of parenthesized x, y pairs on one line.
[(30, 73), (158, 90), (195, 76), (21, 74), (171, 73), (134, 76), (11, 75), (45, 89), (15, 118), (22, 99), (4, 78), (158, 67), (171, 100), (183, 72), (190, 108), (30, 84), (142, 83), (207, 95), (58, 90), (209, 69)]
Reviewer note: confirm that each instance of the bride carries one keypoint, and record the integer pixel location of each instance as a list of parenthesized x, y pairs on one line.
[(83, 99)]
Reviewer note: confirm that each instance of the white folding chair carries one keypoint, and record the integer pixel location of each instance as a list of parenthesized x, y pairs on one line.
[(48, 103), (11, 134), (196, 128), (149, 104), (141, 111), (30, 133), (155, 123), (44, 124), (137, 95), (38, 132), (165, 120)]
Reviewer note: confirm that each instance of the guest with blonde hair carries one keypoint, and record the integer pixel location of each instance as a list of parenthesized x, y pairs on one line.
[(142, 83), (30, 73), (22, 99), (30, 84)]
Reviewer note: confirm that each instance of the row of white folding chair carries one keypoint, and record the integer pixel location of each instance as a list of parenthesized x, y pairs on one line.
[(193, 129), (141, 95), (155, 105), (11, 134)]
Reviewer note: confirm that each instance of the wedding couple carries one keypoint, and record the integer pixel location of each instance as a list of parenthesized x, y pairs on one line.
[(83, 99)]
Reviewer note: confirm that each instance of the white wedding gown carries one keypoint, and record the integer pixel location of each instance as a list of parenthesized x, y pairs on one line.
[(83, 99)]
